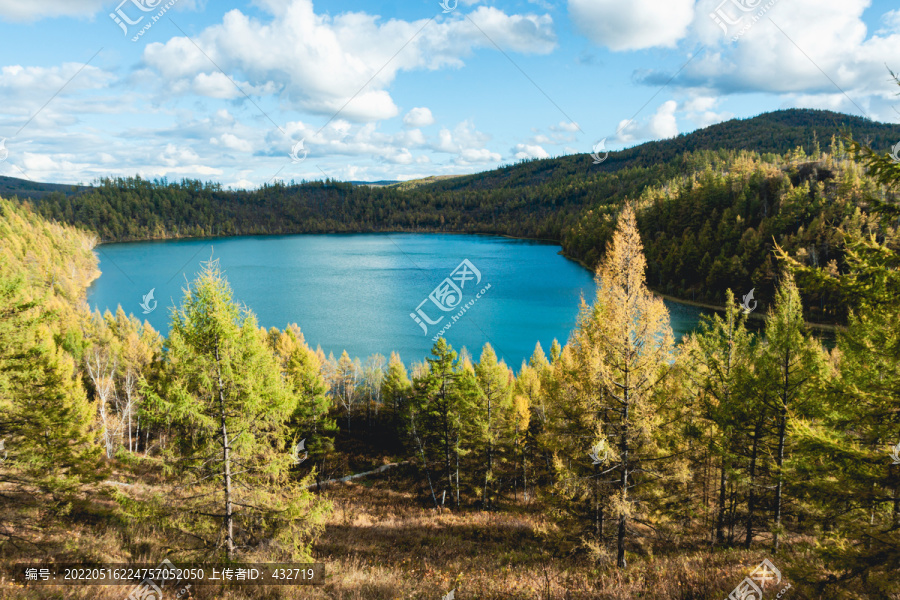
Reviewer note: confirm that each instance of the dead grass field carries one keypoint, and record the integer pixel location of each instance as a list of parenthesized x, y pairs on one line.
[(383, 544)]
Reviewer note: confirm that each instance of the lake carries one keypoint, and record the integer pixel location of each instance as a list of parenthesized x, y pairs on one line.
[(372, 293)]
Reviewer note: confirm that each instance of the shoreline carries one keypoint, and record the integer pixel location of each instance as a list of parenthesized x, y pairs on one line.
[(756, 316), (832, 328)]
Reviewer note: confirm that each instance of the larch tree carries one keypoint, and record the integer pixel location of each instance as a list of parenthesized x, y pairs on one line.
[(440, 401), (716, 362), (787, 367), (396, 390), (301, 369), (223, 393), (612, 373), (45, 416), (854, 476), (491, 411)]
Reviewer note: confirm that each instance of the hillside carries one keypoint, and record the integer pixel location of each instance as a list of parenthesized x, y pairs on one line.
[(769, 133)]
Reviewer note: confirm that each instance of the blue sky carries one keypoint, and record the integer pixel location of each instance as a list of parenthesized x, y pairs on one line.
[(226, 91)]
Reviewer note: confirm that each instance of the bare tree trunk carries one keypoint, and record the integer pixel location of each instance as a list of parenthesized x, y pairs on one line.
[(623, 520), (779, 456), (895, 514), (524, 472), (779, 461), (456, 452), (226, 459), (424, 461), (720, 521), (487, 473), (447, 467), (101, 375), (751, 500)]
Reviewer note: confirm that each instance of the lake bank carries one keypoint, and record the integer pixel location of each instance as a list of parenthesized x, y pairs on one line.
[(363, 292)]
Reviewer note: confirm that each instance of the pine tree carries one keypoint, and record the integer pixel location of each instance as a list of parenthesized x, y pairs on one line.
[(223, 394), (309, 420), (789, 364), (491, 412), (611, 375)]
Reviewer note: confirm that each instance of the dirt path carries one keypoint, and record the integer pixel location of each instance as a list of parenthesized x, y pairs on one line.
[(380, 469)]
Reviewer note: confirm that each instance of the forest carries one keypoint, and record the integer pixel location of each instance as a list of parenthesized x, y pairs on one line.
[(619, 463), (713, 204)]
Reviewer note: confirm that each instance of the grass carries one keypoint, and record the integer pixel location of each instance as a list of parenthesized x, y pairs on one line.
[(381, 542)]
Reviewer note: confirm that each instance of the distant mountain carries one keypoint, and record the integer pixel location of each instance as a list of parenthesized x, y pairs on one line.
[(774, 132), (382, 183), (23, 188)]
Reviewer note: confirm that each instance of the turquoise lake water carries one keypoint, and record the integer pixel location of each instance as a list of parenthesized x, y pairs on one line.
[(356, 292)]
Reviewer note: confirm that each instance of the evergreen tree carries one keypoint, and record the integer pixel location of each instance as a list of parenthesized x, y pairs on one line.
[(223, 394), (788, 366), (309, 420), (612, 375), (491, 413), (396, 390), (45, 416), (441, 399), (717, 361), (855, 484)]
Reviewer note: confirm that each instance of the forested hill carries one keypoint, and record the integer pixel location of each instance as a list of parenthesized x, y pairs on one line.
[(769, 133), (710, 210), (22, 188)]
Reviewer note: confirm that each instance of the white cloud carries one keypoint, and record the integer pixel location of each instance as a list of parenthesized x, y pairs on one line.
[(526, 151), (567, 126), (33, 10), (241, 184), (418, 117), (174, 155), (663, 124), (634, 24), (785, 52), (16, 79), (321, 62), (699, 109), (470, 156), (232, 142), (218, 85), (891, 20)]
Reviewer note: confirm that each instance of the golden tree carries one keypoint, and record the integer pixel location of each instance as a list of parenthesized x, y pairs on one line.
[(609, 401)]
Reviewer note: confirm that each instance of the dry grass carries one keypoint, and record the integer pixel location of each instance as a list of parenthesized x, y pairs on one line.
[(381, 544)]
